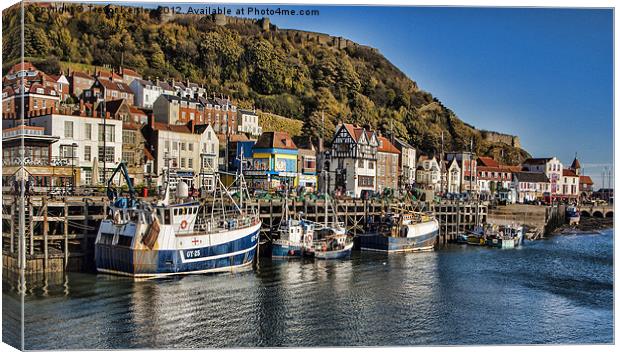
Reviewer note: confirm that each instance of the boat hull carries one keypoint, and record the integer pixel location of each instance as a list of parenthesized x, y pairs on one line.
[(283, 251), (139, 261), (502, 243), (380, 243), (335, 254)]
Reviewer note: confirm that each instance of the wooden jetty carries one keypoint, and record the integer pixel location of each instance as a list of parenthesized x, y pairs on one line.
[(60, 232)]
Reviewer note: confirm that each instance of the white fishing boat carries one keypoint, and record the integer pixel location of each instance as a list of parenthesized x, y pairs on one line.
[(406, 231), (145, 240), (330, 237)]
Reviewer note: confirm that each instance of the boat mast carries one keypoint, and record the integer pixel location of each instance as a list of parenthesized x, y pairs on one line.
[(241, 181)]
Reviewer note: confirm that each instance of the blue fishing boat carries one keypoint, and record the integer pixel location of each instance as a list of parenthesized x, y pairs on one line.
[(402, 232), (146, 240), (292, 236)]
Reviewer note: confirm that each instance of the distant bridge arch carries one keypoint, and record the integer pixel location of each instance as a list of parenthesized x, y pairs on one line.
[(609, 214), (597, 214), (585, 213)]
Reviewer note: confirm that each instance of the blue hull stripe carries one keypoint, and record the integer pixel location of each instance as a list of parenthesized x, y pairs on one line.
[(125, 260), (279, 251)]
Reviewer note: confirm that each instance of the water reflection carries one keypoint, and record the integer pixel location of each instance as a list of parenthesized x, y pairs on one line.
[(556, 291)]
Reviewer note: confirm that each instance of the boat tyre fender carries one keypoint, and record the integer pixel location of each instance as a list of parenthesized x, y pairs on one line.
[(183, 224)]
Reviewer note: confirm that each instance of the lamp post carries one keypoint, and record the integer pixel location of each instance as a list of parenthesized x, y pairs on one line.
[(73, 146)]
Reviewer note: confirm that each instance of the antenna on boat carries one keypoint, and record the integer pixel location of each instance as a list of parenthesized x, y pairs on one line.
[(241, 180), (166, 199)]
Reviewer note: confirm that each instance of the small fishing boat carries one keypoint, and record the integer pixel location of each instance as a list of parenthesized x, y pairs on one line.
[(331, 240), (406, 231), (573, 215), (330, 244), (145, 240), (292, 237), (476, 236), (502, 236), (462, 238)]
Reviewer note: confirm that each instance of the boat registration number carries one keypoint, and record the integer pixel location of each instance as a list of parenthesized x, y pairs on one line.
[(195, 253)]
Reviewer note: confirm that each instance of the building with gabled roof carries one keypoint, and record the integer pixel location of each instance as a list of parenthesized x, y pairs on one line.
[(39, 92), (188, 152), (145, 92), (407, 163), (107, 88), (79, 82), (428, 173), (551, 167), (530, 186), (352, 161)]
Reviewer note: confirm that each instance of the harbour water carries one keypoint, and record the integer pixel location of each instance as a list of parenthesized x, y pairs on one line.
[(554, 291)]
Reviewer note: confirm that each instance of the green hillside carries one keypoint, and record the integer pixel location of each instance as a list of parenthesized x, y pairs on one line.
[(287, 72)]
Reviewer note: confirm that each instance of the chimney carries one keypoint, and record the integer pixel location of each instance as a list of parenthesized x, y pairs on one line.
[(81, 106), (152, 121), (93, 111), (107, 115), (191, 124)]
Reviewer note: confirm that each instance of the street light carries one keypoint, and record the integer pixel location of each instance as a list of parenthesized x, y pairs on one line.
[(73, 146)]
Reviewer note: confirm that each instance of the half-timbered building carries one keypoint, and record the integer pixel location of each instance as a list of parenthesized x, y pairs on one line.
[(353, 160)]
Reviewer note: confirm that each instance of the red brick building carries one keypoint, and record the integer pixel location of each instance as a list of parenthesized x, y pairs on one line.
[(387, 165)]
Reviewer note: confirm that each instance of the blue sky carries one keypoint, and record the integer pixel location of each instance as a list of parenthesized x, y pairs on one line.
[(543, 74)]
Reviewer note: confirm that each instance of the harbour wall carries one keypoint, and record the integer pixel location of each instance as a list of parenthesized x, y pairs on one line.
[(537, 220)]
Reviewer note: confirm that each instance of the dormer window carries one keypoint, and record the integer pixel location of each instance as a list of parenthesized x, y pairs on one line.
[(40, 91)]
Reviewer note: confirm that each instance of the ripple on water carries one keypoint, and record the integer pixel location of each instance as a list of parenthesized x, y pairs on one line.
[(556, 291)]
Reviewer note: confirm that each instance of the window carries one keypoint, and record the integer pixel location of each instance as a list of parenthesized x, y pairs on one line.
[(88, 131), (182, 162), (360, 163), (175, 146), (365, 181), (109, 133), (68, 129), (182, 145), (88, 177), (128, 137), (109, 154), (371, 165), (190, 147), (87, 153), (43, 101), (128, 156), (68, 151), (190, 163), (167, 145)]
